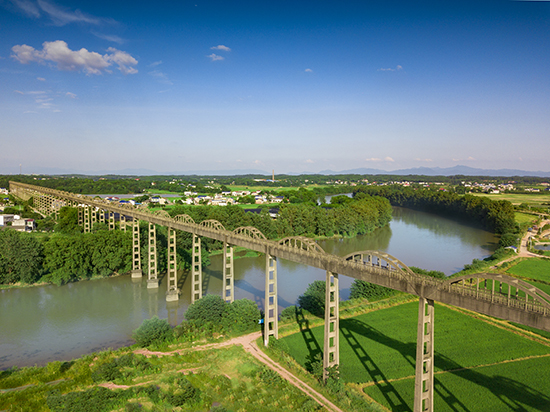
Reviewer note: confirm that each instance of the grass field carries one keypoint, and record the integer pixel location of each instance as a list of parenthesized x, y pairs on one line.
[(514, 386), (535, 199), (228, 377), (380, 347), (526, 218), (535, 269)]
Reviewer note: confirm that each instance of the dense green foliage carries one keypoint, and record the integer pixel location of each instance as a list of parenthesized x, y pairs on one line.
[(314, 297), (21, 257), (85, 255), (496, 216), (209, 308), (212, 315), (348, 219), (152, 331), (365, 290)]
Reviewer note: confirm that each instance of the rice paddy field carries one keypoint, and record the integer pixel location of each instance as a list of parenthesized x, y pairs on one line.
[(480, 364), (533, 199)]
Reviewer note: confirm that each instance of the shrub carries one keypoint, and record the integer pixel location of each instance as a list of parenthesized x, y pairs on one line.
[(365, 290), (508, 239), (241, 315), (210, 308), (313, 299), (432, 273), (153, 330), (288, 313)]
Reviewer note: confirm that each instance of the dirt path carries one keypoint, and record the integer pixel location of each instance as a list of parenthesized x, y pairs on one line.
[(248, 342)]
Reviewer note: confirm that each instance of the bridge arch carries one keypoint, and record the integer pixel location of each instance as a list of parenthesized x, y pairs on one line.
[(523, 290), (302, 242), (250, 231), (184, 219), (162, 213), (392, 263), (212, 224)]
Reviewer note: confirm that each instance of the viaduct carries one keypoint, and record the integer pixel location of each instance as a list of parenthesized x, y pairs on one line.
[(518, 301)]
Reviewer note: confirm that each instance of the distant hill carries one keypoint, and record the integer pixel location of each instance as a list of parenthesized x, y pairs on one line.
[(438, 171), (418, 171)]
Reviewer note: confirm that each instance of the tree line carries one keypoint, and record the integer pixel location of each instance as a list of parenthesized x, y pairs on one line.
[(496, 216), (68, 254)]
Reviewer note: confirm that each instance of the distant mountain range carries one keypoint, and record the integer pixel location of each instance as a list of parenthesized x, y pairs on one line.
[(438, 171), (419, 171)]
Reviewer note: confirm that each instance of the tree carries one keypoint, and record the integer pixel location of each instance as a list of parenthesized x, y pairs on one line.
[(313, 299), (151, 331), (21, 257), (361, 289), (68, 221), (210, 308), (241, 315)]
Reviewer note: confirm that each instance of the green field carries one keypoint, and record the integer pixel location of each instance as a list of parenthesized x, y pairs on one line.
[(536, 269), (535, 199), (381, 346), (514, 386), (526, 218)]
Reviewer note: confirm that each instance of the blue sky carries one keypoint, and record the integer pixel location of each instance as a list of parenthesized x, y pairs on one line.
[(175, 86)]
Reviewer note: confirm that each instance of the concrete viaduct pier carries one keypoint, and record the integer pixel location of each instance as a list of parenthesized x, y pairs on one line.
[(482, 292)]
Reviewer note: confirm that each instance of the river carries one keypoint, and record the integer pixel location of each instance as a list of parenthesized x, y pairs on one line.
[(46, 323)]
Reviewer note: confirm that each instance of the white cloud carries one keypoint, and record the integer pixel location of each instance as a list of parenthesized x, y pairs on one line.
[(221, 47), (309, 161), (71, 95), (308, 70), (397, 68), (215, 57), (155, 64), (41, 79), (161, 77), (28, 7), (75, 60), (377, 159), (257, 162), (423, 160), (109, 37), (61, 17), (123, 59), (470, 158)]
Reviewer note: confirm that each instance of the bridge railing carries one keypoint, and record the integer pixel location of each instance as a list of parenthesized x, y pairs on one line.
[(518, 302)]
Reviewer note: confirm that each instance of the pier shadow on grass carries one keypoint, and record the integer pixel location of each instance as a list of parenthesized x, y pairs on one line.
[(449, 389)]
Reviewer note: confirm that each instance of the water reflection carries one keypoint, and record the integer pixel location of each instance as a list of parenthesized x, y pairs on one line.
[(47, 323)]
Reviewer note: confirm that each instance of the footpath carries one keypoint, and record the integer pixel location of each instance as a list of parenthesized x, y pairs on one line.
[(248, 342)]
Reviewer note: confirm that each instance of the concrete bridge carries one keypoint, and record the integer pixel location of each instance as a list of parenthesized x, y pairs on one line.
[(495, 295)]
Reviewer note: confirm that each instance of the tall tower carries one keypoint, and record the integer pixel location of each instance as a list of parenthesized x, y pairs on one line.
[(273, 176)]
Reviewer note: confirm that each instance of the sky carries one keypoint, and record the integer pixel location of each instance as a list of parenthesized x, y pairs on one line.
[(291, 86)]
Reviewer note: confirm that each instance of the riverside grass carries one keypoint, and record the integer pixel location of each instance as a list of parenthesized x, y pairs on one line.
[(226, 376), (378, 351)]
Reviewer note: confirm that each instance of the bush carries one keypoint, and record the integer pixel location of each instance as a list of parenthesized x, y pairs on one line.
[(432, 273), (313, 299), (508, 239), (210, 308), (153, 330), (361, 289), (241, 315), (288, 313)]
